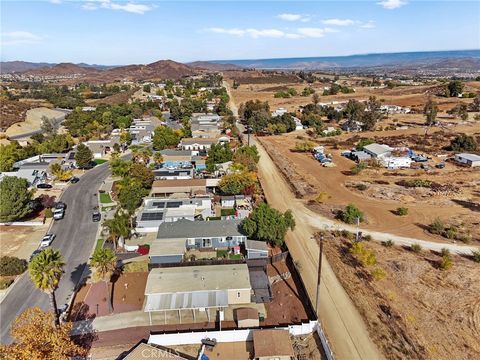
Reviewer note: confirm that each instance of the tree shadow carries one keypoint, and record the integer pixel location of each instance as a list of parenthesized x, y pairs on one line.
[(470, 205), (77, 275)]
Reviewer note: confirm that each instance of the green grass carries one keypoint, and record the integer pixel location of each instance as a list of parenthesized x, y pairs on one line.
[(136, 266), (99, 161), (227, 212), (235, 256), (99, 244), (105, 198), (224, 253)]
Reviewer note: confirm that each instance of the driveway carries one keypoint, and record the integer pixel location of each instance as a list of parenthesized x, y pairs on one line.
[(76, 235)]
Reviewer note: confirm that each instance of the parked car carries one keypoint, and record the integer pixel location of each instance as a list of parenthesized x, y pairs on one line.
[(74, 180), (440, 165), (35, 253), (96, 216), (47, 240), (62, 308), (60, 205), (44, 186), (58, 214)]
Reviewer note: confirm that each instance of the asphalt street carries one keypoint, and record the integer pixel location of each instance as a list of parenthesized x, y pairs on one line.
[(75, 238)]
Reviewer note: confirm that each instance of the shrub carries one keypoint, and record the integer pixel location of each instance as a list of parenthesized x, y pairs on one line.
[(10, 266), (367, 237), (348, 235), (350, 214), (357, 169), (361, 187), (48, 213), (445, 263), (322, 196), (304, 146), (476, 255), (5, 283), (416, 248), (378, 274), (437, 226), (388, 243), (445, 252), (401, 211), (363, 255)]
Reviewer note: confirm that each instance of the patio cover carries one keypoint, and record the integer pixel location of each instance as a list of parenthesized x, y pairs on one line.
[(189, 300)]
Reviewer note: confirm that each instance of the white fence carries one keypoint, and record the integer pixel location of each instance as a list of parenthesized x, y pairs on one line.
[(224, 336), (23, 223)]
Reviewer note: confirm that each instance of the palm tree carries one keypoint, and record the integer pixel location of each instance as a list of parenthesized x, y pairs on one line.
[(118, 226), (145, 154), (45, 271), (104, 262), (158, 158)]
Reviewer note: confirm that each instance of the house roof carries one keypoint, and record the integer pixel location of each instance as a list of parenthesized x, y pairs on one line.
[(167, 247), (377, 149), (271, 343), (171, 152), (471, 157), (256, 245), (179, 183), (192, 141), (186, 279), (184, 229), (145, 351)]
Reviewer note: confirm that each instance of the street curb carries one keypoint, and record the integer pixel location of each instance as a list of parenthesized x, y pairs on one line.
[(17, 279)]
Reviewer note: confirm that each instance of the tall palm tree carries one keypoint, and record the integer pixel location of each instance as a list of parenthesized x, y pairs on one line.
[(158, 158), (118, 226), (146, 154), (104, 262), (45, 271)]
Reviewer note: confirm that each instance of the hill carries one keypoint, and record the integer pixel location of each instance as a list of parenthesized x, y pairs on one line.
[(7, 67), (206, 65), (63, 69)]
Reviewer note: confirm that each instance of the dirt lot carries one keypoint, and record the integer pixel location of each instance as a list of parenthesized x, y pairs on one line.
[(415, 312), (382, 194), (411, 96), (32, 121)]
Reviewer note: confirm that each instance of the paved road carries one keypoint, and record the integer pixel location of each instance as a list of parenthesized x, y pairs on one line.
[(75, 239)]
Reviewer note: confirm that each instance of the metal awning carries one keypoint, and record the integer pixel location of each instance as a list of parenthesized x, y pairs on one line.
[(182, 301)]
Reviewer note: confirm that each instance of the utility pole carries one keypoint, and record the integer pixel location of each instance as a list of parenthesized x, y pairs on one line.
[(317, 303)]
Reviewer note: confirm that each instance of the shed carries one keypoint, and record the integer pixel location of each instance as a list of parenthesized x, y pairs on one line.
[(470, 160), (247, 318), (256, 249)]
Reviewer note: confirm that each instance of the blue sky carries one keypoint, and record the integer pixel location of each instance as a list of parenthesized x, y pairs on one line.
[(119, 32)]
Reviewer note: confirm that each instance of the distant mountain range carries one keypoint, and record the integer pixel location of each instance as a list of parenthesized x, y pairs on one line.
[(462, 57), (463, 60)]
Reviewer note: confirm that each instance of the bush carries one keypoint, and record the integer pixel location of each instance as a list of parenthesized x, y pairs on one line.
[(378, 274), (322, 196), (445, 252), (348, 234), (363, 255), (416, 248), (357, 169), (48, 213), (10, 266), (367, 237), (5, 283), (388, 243), (361, 187), (304, 146), (476, 255), (350, 214), (401, 211), (445, 263), (437, 227)]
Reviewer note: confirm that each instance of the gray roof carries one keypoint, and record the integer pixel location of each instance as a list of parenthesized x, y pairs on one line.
[(170, 152), (377, 149), (471, 157), (256, 245), (185, 229)]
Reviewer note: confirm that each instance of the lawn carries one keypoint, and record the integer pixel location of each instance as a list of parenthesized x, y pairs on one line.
[(105, 198), (99, 161), (224, 253)]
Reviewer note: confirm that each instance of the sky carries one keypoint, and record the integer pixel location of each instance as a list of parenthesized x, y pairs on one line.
[(116, 32)]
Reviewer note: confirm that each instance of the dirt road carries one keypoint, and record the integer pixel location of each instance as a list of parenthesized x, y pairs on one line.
[(342, 322)]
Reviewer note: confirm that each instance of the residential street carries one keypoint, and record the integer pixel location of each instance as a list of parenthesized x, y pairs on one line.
[(76, 235)]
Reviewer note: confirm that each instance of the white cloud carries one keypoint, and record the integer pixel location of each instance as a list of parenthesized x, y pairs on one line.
[(339, 22), (294, 17), (19, 37), (315, 32), (392, 4), (368, 25), (108, 4)]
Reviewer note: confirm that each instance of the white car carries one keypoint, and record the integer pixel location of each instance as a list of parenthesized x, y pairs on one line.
[(58, 214), (47, 240)]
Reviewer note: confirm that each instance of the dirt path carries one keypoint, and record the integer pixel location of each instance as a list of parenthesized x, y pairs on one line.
[(342, 322)]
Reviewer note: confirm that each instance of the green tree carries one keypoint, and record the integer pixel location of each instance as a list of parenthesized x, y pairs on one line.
[(268, 224), (147, 88), (14, 199), (247, 156), (218, 154), (10, 266), (104, 262), (130, 196), (164, 137), (372, 114), (350, 214), (45, 270), (304, 146), (120, 167), (48, 126), (463, 142), (354, 111), (430, 111), (455, 88), (84, 156)]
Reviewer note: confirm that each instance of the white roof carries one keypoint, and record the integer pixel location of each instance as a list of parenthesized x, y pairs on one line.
[(183, 210), (197, 278), (377, 149), (471, 157), (167, 247)]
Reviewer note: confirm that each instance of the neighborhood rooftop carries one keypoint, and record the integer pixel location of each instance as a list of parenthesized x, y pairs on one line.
[(193, 229)]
